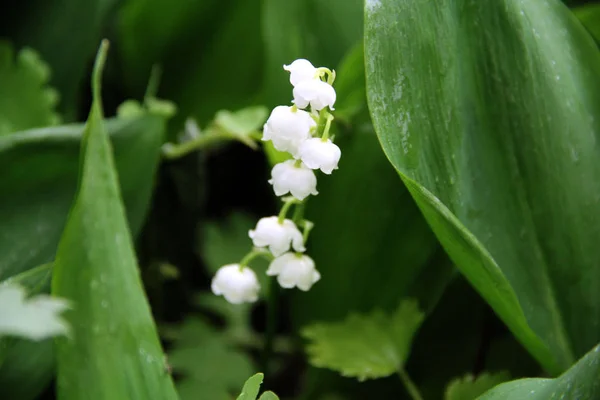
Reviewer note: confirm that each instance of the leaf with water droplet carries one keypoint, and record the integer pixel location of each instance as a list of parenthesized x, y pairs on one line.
[(97, 363)]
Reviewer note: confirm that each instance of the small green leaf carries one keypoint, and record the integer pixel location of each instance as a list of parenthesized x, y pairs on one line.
[(242, 122), (27, 101), (580, 382), (268, 396), (365, 346), (251, 387), (210, 367), (470, 387), (115, 352)]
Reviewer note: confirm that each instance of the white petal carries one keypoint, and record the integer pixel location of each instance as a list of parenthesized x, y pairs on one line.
[(300, 181), (287, 128), (301, 70), (317, 154), (317, 93), (236, 284)]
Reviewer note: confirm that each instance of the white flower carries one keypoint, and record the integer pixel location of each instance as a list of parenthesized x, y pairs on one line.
[(34, 318), (314, 92), (300, 181), (237, 284), (318, 154), (279, 237), (288, 127), (301, 70), (294, 269)]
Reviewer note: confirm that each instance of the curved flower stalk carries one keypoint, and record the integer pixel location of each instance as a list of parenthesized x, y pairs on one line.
[(302, 130)]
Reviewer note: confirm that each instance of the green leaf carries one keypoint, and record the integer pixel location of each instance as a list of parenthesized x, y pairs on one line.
[(65, 33), (589, 15), (115, 352), (470, 387), (487, 110), (27, 101), (39, 181), (365, 346), (580, 382), (210, 367), (27, 369), (251, 387), (268, 396)]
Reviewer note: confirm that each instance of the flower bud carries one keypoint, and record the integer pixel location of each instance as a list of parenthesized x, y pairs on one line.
[(301, 70), (314, 92), (237, 284), (318, 154), (300, 181), (287, 128), (294, 270), (279, 237)]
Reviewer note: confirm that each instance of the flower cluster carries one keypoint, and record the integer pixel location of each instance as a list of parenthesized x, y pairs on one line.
[(302, 130)]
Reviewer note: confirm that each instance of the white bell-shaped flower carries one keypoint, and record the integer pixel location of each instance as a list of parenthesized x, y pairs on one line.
[(288, 177), (237, 284), (287, 128), (294, 269), (315, 92), (279, 237), (301, 70), (318, 154)]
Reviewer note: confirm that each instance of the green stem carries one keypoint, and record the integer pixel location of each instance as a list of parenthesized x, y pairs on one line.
[(271, 324), (153, 82), (308, 225), (327, 127), (172, 151), (411, 388), (286, 206), (299, 213), (254, 254)]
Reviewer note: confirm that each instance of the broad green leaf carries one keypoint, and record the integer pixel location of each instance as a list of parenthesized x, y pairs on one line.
[(365, 346), (65, 33), (487, 110), (210, 367), (589, 15), (242, 122), (115, 352), (251, 387), (470, 387), (27, 101), (34, 318), (580, 382), (39, 181)]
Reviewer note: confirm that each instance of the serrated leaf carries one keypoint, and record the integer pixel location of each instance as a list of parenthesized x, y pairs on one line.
[(210, 367), (365, 346), (27, 101), (66, 34), (487, 109), (34, 318), (115, 352), (580, 382), (470, 387)]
